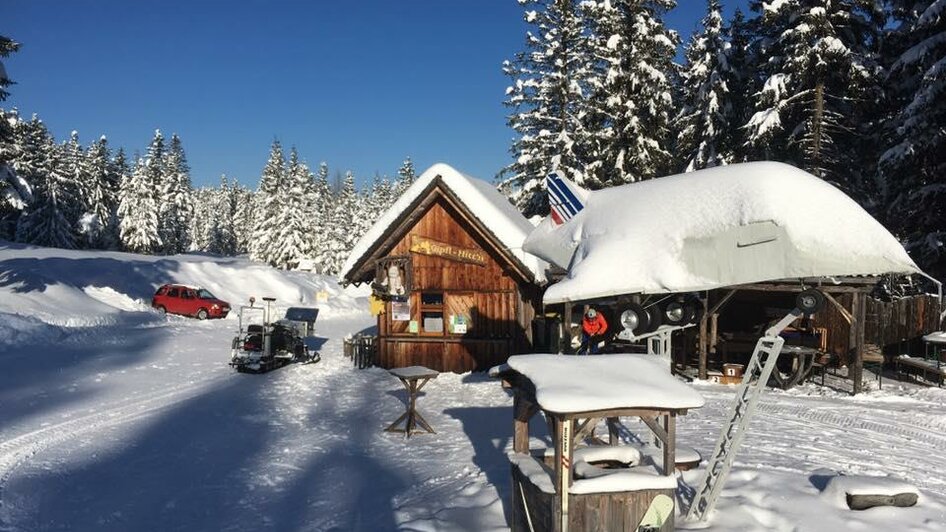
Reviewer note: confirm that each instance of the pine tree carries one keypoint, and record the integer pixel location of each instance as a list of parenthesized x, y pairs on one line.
[(342, 237), (633, 88), (321, 219), (75, 181), (914, 165), (46, 221), (266, 228), (15, 192), (292, 242), (101, 201), (405, 177), (176, 202), (707, 123), (820, 75), (243, 217), (549, 102), (138, 211)]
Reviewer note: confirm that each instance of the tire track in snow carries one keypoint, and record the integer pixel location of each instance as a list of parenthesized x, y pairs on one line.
[(830, 418), (19, 449), (910, 440)]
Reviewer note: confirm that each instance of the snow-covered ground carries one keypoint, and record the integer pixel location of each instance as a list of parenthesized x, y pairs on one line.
[(113, 417)]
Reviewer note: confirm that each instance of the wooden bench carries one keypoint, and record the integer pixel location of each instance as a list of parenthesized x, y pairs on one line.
[(907, 365)]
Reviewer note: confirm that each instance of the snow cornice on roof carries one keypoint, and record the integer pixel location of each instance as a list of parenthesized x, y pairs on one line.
[(498, 219)]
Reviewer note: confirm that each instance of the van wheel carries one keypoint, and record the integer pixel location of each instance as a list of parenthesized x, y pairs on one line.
[(202, 314), (161, 309)]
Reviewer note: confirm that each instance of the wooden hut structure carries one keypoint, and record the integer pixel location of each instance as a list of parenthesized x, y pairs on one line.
[(853, 329), (454, 289), (596, 487)]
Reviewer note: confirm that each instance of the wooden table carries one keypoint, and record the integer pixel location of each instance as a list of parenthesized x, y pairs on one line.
[(803, 359), (413, 378)]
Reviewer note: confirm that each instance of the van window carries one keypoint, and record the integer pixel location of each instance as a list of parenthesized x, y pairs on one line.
[(173, 292)]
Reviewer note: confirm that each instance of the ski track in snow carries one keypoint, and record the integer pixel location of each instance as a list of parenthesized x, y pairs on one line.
[(20, 448)]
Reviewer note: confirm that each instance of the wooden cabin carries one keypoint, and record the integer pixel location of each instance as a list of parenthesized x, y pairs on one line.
[(453, 287)]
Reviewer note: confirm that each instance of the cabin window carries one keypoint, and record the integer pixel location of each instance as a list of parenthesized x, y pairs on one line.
[(431, 312)]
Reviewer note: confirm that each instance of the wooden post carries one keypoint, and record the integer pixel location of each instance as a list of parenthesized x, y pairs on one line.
[(523, 410), (613, 431), (713, 333), (703, 339), (859, 311), (670, 427), (566, 342), (563, 471)]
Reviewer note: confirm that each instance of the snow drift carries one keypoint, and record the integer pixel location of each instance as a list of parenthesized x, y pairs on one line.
[(47, 289)]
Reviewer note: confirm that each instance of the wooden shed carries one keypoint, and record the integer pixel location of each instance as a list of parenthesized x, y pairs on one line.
[(454, 289)]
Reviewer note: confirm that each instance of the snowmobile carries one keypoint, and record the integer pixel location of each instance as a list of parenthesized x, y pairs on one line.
[(266, 344)]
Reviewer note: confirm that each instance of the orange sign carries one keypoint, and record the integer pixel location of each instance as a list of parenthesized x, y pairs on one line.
[(426, 246)]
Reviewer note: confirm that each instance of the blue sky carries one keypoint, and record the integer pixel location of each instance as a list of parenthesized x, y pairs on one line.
[(359, 85)]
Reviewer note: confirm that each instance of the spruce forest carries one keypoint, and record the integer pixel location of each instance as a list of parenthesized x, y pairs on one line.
[(849, 90)]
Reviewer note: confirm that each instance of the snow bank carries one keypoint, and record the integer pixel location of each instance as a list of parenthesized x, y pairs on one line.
[(493, 209), (723, 226), (44, 291)]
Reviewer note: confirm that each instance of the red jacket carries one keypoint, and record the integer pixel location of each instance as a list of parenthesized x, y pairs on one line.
[(593, 327)]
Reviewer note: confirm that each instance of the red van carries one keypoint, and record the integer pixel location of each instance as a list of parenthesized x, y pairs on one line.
[(189, 301)]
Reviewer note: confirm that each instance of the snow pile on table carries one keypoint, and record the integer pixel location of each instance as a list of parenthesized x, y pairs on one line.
[(718, 227), (494, 210), (568, 384), (45, 290)]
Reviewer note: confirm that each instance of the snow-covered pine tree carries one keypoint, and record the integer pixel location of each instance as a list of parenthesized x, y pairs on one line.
[(175, 199), (633, 88), (266, 228), (100, 195), (741, 81), (914, 166), (820, 75), (75, 181), (203, 221), (321, 234), (341, 226), (139, 212), (7, 47), (549, 103), (15, 191), (243, 216), (46, 220), (405, 177), (707, 124), (292, 243)]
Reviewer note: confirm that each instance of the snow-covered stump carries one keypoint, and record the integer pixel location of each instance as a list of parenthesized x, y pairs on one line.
[(593, 487)]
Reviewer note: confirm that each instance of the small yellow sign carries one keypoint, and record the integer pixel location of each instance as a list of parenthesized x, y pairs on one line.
[(375, 305)]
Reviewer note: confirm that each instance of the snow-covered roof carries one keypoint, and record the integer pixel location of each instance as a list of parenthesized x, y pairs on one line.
[(573, 384), (712, 228), (488, 205)]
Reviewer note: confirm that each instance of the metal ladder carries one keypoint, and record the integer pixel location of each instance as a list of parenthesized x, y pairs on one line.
[(754, 380)]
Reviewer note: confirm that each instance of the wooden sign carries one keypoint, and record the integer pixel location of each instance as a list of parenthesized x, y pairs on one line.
[(426, 246)]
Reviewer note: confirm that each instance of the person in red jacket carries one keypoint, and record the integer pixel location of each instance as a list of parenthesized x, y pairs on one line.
[(593, 327)]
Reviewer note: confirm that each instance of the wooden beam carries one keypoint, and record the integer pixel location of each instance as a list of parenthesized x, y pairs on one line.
[(860, 317), (719, 304), (655, 427), (613, 424), (563, 471), (623, 412), (844, 312), (703, 343), (566, 338)]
